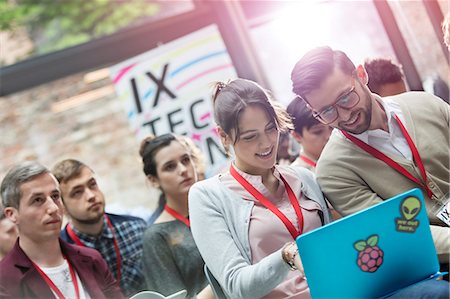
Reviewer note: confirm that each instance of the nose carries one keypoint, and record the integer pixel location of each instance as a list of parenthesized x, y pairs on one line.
[(266, 140), (344, 114), (90, 195), (52, 207), (182, 169)]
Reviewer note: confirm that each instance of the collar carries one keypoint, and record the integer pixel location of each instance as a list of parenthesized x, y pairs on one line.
[(256, 181), (89, 240)]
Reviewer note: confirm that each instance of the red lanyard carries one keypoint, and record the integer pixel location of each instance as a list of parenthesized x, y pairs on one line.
[(53, 286), (269, 205), (177, 215), (379, 155), (308, 160), (116, 246)]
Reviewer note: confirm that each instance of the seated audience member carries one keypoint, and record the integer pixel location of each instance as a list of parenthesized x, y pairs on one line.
[(382, 146), (248, 249), (200, 167), (284, 156), (171, 260), (41, 265), (385, 77), (118, 238), (309, 132), (8, 233)]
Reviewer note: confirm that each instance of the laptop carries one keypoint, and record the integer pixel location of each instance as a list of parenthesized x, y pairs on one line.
[(372, 253)]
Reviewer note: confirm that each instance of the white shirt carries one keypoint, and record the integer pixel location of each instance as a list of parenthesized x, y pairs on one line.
[(392, 142), (60, 276)]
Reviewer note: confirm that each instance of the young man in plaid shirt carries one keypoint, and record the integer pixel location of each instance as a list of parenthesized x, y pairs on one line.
[(117, 237)]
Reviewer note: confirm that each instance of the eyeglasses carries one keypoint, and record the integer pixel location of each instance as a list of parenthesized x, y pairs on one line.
[(347, 101)]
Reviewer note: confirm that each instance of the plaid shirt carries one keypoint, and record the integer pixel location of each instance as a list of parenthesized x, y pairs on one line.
[(128, 231)]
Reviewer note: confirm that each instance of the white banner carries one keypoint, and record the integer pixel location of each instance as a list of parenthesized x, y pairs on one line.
[(168, 89)]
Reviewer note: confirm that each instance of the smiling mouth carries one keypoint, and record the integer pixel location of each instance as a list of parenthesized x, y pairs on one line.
[(265, 154), (354, 119)]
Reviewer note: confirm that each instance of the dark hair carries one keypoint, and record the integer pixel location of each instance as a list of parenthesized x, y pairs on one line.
[(382, 71), (149, 147), (231, 99), (16, 176), (315, 66), (301, 115), (68, 169)]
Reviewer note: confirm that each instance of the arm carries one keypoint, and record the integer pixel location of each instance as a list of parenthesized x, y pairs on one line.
[(109, 285), (225, 258), (160, 270)]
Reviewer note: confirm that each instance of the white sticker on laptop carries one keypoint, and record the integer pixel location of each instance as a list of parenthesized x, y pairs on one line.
[(444, 213)]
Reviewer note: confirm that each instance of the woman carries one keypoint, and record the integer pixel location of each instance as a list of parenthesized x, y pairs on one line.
[(246, 246), (171, 261)]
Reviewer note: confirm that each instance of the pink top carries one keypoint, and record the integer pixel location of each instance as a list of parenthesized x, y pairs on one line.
[(267, 233)]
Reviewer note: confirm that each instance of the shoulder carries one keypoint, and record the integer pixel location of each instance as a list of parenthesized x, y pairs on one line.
[(417, 101), (205, 187), (72, 251), (158, 230), (126, 220)]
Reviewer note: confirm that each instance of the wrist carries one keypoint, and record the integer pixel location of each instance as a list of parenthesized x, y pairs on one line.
[(289, 252)]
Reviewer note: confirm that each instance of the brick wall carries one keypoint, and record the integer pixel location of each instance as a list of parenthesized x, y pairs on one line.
[(95, 132)]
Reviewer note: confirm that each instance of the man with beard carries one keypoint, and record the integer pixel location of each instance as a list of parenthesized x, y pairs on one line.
[(41, 265), (117, 237), (382, 146)]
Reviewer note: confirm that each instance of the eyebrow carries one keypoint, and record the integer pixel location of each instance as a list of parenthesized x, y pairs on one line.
[(33, 195), (254, 130)]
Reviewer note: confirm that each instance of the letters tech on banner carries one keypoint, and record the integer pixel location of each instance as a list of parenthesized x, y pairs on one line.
[(168, 89)]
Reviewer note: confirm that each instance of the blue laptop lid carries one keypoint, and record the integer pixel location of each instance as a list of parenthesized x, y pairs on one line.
[(371, 253)]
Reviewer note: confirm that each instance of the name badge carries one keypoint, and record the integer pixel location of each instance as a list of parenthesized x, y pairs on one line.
[(444, 212)]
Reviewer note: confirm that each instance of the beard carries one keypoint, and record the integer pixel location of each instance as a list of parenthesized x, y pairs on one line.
[(89, 221), (365, 115)]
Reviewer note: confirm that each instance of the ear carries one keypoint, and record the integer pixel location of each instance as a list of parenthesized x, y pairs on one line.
[(224, 137), (154, 181), (362, 74), (297, 137), (12, 214)]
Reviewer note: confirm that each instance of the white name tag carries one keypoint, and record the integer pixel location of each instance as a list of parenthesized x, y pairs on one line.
[(444, 213)]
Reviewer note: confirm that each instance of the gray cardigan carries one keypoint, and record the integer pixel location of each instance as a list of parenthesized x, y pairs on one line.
[(220, 224)]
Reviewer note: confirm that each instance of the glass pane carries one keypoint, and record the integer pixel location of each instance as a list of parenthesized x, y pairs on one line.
[(41, 27), (351, 26), (420, 38)]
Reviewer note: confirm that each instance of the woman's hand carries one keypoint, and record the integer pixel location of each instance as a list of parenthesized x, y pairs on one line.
[(291, 257)]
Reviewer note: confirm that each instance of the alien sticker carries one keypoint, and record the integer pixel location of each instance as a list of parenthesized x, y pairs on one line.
[(409, 209)]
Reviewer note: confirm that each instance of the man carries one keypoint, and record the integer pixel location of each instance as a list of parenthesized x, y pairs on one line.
[(8, 234), (385, 77), (410, 130), (309, 132), (118, 238), (41, 265)]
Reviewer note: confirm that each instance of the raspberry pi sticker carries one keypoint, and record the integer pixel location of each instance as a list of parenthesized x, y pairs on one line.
[(409, 209), (370, 256)]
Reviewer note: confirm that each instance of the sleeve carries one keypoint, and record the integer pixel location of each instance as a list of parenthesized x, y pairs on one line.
[(348, 193), (109, 285), (160, 269), (214, 239)]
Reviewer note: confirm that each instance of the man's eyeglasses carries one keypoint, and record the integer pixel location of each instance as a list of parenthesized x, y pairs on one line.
[(347, 101)]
